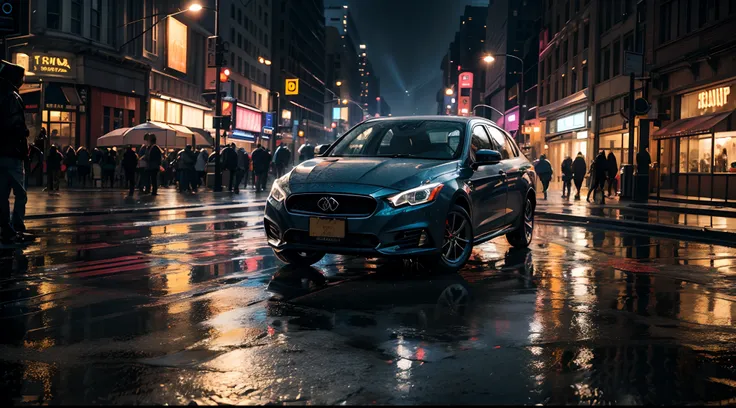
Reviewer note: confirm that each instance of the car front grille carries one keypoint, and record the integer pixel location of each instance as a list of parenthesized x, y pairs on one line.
[(331, 204), (365, 241)]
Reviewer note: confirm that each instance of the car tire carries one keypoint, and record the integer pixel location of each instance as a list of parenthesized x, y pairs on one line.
[(298, 258), (521, 237), (457, 244)]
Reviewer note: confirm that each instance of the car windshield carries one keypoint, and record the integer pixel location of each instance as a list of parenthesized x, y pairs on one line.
[(421, 139)]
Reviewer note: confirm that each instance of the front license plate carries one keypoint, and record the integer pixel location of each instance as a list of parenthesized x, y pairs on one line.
[(327, 228)]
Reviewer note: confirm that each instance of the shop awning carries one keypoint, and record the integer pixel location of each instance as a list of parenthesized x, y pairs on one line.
[(693, 126), (61, 97)]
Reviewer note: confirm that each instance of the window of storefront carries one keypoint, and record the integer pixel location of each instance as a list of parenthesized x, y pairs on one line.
[(695, 154), (173, 113), (725, 153), (61, 127), (192, 117), (158, 110)]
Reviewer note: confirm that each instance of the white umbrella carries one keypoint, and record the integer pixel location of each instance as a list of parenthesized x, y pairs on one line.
[(114, 138)]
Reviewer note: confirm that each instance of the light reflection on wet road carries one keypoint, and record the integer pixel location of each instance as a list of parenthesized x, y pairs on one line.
[(175, 306)]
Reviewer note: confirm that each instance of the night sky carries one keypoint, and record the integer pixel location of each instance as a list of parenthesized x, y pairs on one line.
[(406, 40)]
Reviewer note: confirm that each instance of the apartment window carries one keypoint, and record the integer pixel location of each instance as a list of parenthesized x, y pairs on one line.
[(606, 64), (240, 41), (53, 14), (557, 90), (665, 22), (575, 40), (617, 12), (577, 6), (574, 81), (94, 20), (240, 16), (112, 22), (629, 42), (564, 51), (585, 77), (559, 26), (265, 19), (240, 65), (265, 40), (151, 37), (77, 15), (689, 14), (232, 10), (557, 57), (713, 10), (549, 94), (564, 85), (567, 11), (586, 36), (616, 57), (732, 7), (541, 94)]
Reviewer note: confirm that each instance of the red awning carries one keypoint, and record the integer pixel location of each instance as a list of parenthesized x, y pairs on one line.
[(691, 126)]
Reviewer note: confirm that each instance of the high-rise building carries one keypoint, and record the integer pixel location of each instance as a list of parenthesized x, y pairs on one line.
[(343, 80), (247, 27), (511, 55), (462, 71), (370, 84), (298, 52)]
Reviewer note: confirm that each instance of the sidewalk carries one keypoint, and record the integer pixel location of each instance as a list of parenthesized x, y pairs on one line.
[(699, 222), (81, 202)]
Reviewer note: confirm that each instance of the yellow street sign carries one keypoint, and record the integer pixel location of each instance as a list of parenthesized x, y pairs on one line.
[(292, 86)]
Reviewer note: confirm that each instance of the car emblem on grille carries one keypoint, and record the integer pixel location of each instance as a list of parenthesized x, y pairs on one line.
[(328, 204)]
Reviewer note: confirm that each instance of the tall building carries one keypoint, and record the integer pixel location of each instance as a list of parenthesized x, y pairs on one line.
[(512, 36), (690, 53), (343, 80), (299, 52), (461, 67), (567, 60), (248, 30), (370, 84), (88, 74)]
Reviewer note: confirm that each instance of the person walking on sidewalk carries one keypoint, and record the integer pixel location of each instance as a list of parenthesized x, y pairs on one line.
[(188, 161), (201, 167), (13, 152), (261, 160), (153, 158), (130, 163), (230, 163), (544, 171), (612, 172), (83, 163), (599, 171), (578, 173), (53, 168), (143, 185), (567, 177), (70, 159), (281, 158), (242, 172)]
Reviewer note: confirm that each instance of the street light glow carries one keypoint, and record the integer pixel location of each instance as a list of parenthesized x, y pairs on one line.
[(488, 58), (261, 60), (449, 92), (195, 7), (338, 83), (344, 101), (268, 62)]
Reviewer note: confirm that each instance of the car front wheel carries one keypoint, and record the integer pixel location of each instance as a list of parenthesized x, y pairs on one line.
[(298, 258), (457, 243), (521, 237)]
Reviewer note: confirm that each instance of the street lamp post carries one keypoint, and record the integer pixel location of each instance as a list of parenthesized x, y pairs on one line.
[(482, 105), (489, 58)]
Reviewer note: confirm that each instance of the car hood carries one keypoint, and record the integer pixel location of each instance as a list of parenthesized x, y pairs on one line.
[(396, 173)]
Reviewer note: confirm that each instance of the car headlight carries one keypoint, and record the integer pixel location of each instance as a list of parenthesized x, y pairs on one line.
[(420, 195), (277, 193)]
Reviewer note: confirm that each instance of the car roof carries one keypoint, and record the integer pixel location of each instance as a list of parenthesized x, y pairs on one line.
[(444, 118)]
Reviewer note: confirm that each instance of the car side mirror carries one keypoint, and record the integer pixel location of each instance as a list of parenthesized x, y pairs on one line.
[(486, 156), (321, 149)]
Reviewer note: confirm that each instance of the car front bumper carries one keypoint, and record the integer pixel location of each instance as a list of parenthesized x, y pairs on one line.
[(401, 232)]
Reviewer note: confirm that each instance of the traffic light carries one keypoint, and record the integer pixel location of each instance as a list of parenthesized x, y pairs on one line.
[(224, 75), (300, 133), (227, 114)]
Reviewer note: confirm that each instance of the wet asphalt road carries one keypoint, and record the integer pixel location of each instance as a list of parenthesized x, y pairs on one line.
[(190, 305)]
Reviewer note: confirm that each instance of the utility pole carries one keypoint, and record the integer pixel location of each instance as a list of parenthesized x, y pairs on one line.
[(219, 55)]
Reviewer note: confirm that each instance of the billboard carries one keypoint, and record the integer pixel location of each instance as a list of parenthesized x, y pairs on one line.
[(465, 94), (247, 119), (176, 46)]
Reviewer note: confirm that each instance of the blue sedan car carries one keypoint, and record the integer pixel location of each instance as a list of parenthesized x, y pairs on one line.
[(424, 188)]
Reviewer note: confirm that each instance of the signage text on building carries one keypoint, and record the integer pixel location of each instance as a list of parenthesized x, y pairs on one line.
[(714, 98)]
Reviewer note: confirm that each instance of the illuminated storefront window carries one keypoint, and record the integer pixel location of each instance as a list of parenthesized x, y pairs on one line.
[(61, 127)]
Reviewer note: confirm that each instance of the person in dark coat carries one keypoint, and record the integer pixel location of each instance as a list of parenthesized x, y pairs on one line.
[(53, 168), (281, 158), (13, 153), (261, 160), (130, 163), (579, 168), (189, 178), (83, 165), (229, 158), (70, 160), (243, 166), (109, 159), (544, 171), (154, 156), (567, 174), (600, 175), (612, 172)]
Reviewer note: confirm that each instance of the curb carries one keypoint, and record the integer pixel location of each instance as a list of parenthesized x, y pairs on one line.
[(691, 233), (114, 211), (686, 210)]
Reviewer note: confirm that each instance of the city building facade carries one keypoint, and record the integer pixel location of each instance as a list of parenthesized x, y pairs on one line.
[(344, 83)]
